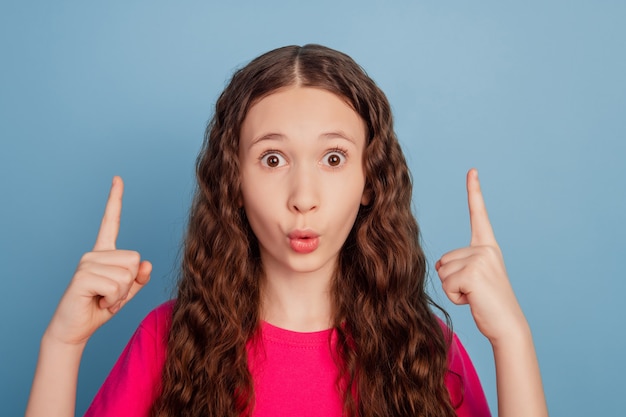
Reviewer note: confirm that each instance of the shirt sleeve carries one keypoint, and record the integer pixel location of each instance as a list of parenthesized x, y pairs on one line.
[(462, 381), (134, 382)]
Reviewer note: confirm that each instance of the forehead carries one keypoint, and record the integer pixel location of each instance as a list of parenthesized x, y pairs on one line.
[(301, 110)]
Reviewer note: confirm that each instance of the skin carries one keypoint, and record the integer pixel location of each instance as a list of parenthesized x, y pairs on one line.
[(105, 280), (290, 181), (476, 275), (301, 153)]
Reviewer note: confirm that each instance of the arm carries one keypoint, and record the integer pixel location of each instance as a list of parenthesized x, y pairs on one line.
[(476, 275), (54, 387), (104, 281), (520, 391)]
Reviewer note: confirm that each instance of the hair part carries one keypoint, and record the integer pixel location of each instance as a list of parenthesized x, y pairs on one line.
[(391, 350)]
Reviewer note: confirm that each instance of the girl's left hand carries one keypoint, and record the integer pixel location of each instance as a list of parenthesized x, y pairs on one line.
[(476, 275)]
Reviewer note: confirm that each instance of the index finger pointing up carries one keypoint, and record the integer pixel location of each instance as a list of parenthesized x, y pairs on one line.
[(110, 226), (482, 233)]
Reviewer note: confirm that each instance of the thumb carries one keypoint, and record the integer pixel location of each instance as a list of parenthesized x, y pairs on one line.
[(142, 278), (143, 273)]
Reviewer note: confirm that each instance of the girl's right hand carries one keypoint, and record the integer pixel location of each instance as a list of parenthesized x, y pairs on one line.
[(105, 280)]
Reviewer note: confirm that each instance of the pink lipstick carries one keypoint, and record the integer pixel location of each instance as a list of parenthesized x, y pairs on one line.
[(303, 241)]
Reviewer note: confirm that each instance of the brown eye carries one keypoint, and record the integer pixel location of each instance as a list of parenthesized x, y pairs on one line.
[(334, 159), (272, 160)]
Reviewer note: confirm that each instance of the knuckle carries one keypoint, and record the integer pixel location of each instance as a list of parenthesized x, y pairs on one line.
[(131, 258), (87, 257), (113, 289), (81, 265), (128, 276), (134, 257), (492, 251), (84, 267), (450, 287)]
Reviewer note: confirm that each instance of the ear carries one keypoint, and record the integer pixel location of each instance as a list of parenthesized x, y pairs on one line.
[(239, 198), (366, 198)]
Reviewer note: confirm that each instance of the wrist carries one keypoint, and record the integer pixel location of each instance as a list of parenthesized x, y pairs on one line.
[(50, 340), (516, 337)]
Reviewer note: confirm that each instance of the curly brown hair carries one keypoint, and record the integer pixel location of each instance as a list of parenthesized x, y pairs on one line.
[(391, 350)]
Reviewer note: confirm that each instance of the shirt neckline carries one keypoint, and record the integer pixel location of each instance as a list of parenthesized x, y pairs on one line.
[(273, 333)]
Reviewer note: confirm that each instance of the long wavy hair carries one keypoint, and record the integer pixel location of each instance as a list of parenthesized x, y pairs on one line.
[(391, 349)]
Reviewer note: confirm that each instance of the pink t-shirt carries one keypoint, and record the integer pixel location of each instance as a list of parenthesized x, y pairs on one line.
[(293, 373)]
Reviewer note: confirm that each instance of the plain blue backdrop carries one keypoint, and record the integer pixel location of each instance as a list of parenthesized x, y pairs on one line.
[(532, 93)]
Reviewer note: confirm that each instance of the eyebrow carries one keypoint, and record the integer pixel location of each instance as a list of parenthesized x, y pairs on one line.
[(267, 136), (327, 135), (338, 134)]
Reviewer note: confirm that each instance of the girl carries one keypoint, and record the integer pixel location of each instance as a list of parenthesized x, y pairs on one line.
[(302, 283)]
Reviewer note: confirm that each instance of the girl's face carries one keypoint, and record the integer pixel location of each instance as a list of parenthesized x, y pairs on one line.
[(300, 153)]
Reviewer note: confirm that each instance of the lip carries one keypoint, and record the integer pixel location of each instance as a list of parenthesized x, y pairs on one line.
[(303, 241)]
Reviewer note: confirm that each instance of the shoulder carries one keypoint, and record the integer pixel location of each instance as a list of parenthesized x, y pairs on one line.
[(150, 337), (134, 382), (158, 321), (457, 355)]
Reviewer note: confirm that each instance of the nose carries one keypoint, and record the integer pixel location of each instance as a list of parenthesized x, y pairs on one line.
[(304, 189)]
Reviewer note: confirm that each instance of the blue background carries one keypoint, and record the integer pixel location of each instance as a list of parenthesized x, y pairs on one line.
[(532, 93)]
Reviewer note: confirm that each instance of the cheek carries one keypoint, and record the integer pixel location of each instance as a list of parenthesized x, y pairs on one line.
[(259, 205), (347, 202), (256, 219), (351, 191)]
